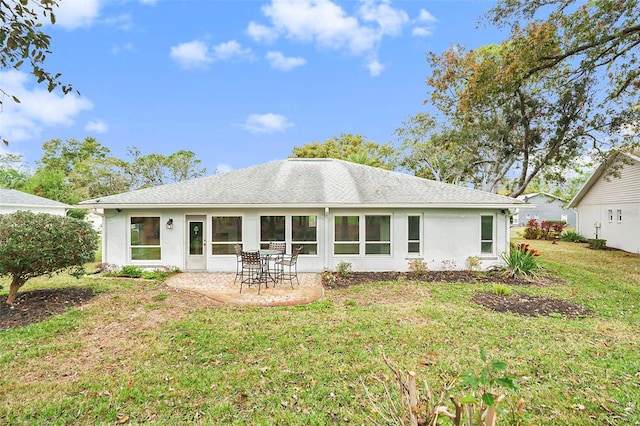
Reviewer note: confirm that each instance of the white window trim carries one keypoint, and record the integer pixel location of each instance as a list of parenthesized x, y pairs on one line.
[(487, 255), (610, 215), (362, 230), (130, 259), (288, 230), (421, 235), (210, 236), (619, 215)]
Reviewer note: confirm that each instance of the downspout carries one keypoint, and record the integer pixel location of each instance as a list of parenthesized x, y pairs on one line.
[(326, 239)]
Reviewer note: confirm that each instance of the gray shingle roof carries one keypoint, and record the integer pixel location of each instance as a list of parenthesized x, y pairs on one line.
[(306, 182), (11, 197)]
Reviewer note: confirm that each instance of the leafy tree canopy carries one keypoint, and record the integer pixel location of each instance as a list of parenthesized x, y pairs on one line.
[(350, 147), (22, 41), (33, 244)]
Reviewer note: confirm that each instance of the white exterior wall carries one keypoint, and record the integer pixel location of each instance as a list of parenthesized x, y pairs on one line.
[(613, 194), (448, 238)]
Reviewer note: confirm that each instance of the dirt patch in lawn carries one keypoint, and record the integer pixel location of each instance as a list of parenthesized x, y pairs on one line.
[(35, 306), (528, 305)]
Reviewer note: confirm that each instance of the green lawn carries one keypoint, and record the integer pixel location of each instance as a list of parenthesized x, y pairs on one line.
[(142, 353)]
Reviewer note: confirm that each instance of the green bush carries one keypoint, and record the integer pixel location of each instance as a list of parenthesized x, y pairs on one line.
[(130, 271), (418, 267), (521, 260), (597, 243), (343, 269), (572, 237), (501, 290)]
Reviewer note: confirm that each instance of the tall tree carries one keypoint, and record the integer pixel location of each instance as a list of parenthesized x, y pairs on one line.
[(156, 169), (23, 41), (522, 126), (350, 147), (12, 174)]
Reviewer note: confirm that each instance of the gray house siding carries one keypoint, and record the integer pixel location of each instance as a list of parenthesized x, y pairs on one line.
[(547, 207)]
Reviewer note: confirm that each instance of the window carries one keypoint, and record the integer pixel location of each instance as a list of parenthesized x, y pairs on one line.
[(619, 215), (347, 235), (226, 231), (348, 231), (272, 228), (378, 235), (145, 238), (413, 237), (486, 234), (304, 233), (610, 215)]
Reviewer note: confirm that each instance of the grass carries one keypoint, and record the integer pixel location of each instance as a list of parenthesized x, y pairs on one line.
[(141, 352)]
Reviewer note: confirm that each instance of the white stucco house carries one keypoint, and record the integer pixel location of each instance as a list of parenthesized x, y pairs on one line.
[(610, 205), (545, 207), (377, 220), (12, 201)]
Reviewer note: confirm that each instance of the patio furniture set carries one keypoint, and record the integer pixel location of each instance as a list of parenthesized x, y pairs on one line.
[(262, 266)]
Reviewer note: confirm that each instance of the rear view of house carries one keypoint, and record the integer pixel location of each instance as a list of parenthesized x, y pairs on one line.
[(609, 207), (375, 219)]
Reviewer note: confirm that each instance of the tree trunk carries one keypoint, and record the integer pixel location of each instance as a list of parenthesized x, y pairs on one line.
[(16, 283)]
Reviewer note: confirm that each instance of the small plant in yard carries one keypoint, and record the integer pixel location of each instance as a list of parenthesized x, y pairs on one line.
[(130, 271), (521, 260), (572, 237), (473, 262), (481, 393), (343, 269), (532, 231), (449, 265), (328, 277), (418, 267), (501, 290), (597, 243)]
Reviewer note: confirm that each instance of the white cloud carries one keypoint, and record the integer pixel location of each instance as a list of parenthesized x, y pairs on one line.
[(375, 67), (96, 126), (325, 24), (37, 109), (425, 25), (284, 63), (191, 54), (127, 47), (266, 123), (72, 14), (261, 33), (231, 50)]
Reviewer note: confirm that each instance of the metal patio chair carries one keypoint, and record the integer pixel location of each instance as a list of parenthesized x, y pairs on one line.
[(252, 271), (289, 266)]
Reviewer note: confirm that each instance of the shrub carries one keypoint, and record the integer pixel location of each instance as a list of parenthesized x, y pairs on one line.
[(572, 237), (418, 267), (597, 243), (130, 271), (521, 260), (35, 244), (343, 269), (474, 263), (532, 231)]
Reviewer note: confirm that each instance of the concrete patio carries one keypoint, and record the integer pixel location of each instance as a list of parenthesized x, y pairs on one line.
[(220, 287)]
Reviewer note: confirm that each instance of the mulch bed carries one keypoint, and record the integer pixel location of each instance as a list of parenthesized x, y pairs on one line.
[(37, 305)]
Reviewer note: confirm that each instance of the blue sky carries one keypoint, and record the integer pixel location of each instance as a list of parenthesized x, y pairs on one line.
[(238, 82)]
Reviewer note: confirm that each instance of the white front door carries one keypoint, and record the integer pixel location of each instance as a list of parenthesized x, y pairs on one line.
[(196, 243)]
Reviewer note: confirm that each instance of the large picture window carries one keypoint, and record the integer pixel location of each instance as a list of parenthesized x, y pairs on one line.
[(226, 231), (272, 228), (378, 235), (304, 233), (413, 237), (145, 238), (347, 235), (486, 234)]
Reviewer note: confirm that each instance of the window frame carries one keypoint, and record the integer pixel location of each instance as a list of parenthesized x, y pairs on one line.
[(493, 236), (610, 215), (131, 246), (420, 231), (619, 215), (306, 244), (362, 242), (230, 243)]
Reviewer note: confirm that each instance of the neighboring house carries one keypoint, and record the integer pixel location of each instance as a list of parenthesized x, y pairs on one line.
[(12, 201), (609, 207), (375, 219), (545, 207)]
